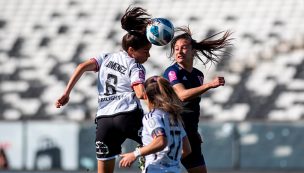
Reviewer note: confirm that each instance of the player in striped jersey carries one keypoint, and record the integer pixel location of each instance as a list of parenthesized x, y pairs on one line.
[(187, 82), (120, 84), (164, 138)]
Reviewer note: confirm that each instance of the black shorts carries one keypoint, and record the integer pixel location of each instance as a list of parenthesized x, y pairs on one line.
[(195, 158), (112, 132)]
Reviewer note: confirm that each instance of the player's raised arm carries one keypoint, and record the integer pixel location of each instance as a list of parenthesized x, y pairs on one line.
[(87, 66)]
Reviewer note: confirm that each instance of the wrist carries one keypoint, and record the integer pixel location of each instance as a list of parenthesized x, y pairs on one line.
[(67, 92), (137, 153), (209, 86)]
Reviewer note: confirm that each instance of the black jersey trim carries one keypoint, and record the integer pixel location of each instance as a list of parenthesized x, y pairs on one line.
[(163, 121), (155, 157), (139, 66)]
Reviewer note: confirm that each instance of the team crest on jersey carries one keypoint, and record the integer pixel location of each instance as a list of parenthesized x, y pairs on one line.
[(141, 74), (151, 123), (101, 148), (172, 76)]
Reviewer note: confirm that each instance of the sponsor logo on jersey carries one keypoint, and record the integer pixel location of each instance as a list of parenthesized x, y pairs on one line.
[(172, 76), (117, 67), (141, 74), (105, 99), (184, 78)]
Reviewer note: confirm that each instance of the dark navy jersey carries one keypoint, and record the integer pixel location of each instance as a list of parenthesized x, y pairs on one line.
[(176, 74)]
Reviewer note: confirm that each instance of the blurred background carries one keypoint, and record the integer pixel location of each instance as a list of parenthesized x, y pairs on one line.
[(255, 123)]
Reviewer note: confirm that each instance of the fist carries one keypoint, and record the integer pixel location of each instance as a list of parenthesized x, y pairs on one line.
[(218, 81)]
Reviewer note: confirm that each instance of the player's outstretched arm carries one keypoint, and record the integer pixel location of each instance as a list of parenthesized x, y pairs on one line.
[(87, 66), (156, 145), (186, 148), (189, 94)]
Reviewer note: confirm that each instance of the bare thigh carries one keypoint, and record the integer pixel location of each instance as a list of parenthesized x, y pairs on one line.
[(106, 166)]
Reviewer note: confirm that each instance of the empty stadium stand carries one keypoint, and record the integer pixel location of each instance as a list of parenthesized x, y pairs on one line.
[(43, 41)]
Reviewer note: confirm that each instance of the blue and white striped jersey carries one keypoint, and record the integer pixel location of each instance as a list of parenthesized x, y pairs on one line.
[(117, 73), (157, 123)]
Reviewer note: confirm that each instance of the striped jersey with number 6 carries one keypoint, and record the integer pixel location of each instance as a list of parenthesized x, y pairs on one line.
[(117, 73), (156, 123)]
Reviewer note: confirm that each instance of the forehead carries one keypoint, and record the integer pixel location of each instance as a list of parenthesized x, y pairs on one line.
[(181, 42)]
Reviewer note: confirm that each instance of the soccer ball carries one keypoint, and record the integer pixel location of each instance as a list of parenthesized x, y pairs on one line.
[(160, 32)]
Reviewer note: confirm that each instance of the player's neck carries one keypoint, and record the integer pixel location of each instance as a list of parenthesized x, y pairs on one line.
[(187, 67), (150, 107)]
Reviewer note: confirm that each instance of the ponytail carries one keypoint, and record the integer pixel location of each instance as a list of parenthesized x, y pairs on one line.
[(135, 24), (161, 95)]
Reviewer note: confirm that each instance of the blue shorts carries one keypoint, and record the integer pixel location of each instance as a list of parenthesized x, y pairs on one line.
[(195, 158)]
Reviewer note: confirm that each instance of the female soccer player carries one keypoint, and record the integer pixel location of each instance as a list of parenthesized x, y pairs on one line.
[(119, 114), (188, 84), (163, 136)]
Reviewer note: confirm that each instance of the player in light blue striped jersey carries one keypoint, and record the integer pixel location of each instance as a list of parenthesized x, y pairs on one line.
[(164, 138)]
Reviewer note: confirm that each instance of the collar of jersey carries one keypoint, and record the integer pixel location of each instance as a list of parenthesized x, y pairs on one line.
[(127, 54), (178, 66), (181, 68)]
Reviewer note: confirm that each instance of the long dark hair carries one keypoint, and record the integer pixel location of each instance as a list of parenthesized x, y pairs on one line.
[(205, 47), (135, 24), (162, 96)]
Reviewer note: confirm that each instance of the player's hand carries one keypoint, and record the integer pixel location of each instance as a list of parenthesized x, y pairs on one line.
[(127, 160), (218, 81), (64, 99)]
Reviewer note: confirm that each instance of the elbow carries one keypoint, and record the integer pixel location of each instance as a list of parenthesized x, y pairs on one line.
[(81, 67), (183, 98), (188, 151), (163, 143)]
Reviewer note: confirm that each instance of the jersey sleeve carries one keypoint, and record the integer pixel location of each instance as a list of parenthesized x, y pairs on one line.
[(154, 126), (200, 76), (172, 75), (184, 134), (137, 74), (98, 61)]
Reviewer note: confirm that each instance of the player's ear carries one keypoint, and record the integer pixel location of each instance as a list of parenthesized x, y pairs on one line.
[(131, 51), (145, 96), (194, 52)]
